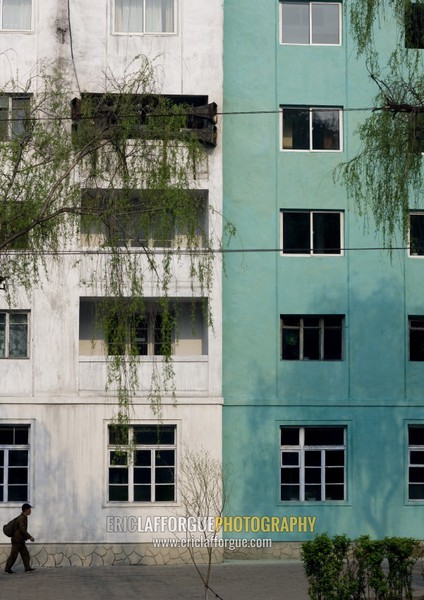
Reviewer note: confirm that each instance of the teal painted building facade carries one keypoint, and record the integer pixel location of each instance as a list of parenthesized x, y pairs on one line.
[(323, 406)]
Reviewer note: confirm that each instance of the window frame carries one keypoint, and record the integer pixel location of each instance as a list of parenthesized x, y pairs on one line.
[(311, 43), (144, 32), (311, 109), (300, 449), (132, 446), (7, 448), (5, 30), (311, 252), (8, 314), (301, 329)]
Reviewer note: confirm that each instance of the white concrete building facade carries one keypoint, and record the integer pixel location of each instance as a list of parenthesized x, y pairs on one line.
[(55, 441)]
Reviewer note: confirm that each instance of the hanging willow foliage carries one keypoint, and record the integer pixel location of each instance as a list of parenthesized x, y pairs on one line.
[(385, 177), (111, 177)]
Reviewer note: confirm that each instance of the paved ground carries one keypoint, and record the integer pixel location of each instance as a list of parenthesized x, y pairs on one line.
[(253, 580)]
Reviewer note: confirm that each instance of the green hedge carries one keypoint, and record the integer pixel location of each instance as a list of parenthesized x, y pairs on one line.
[(341, 569)]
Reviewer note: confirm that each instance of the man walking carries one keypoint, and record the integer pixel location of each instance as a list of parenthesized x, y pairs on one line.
[(19, 537)]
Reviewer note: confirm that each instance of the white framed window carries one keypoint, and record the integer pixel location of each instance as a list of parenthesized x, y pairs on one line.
[(311, 128), (312, 337), (144, 16), (311, 232), (14, 114), (416, 233), (16, 15), (415, 462), (311, 23), (14, 334), (142, 463), (313, 463), (14, 463)]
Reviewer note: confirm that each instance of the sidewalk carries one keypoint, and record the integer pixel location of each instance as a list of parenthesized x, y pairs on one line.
[(232, 580), (244, 580)]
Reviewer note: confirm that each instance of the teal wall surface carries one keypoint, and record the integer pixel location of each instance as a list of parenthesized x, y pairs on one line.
[(375, 391)]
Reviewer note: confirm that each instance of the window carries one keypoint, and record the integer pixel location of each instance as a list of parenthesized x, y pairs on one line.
[(16, 14), (414, 25), (14, 463), (310, 232), (116, 329), (416, 338), (14, 334), (148, 475), (102, 115), (144, 16), (312, 463), (311, 23), (312, 337), (416, 462), (144, 219), (311, 128), (14, 113), (416, 234)]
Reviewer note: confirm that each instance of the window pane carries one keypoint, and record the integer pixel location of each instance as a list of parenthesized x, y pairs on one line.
[(17, 493), (4, 118), (129, 16), (334, 475), (159, 16), (154, 434), (18, 458), (313, 458), (21, 434), (164, 475), (416, 491), (326, 233), (290, 492), (18, 476), (334, 492), (312, 492), (20, 112), (18, 336), (334, 458), (143, 458), (296, 232), (416, 474), (416, 344), (16, 14), (118, 475), (142, 476), (312, 475), (332, 342), (324, 436), (325, 129), (142, 493), (291, 344), (165, 458), (118, 435), (295, 23), (325, 23), (417, 234), (296, 128), (290, 436), (416, 435), (290, 458), (311, 343), (118, 493), (290, 476), (414, 25), (2, 335), (7, 435), (164, 493)]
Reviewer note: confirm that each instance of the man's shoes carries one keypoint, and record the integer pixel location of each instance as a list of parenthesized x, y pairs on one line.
[(29, 570), (9, 571)]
